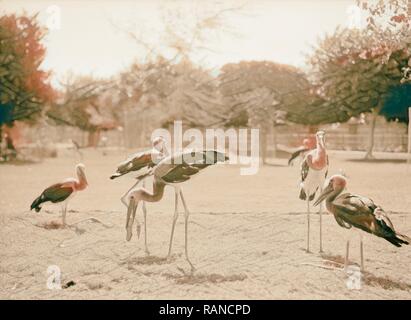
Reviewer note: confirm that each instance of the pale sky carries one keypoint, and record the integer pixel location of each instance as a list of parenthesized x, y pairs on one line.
[(87, 42)]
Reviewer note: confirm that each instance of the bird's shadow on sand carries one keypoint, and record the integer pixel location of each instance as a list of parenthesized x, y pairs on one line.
[(368, 278), (377, 160), (55, 225), (183, 277), (150, 260), (199, 277), (273, 164), (51, 225), (385, 282), (333, 259)]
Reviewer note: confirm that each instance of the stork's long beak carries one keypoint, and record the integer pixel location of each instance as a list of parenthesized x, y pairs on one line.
[(322, 140), (324, 195)]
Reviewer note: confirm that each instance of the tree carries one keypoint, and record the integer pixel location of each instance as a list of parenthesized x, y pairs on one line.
[(166, 85), (24, 87), (173, 91), (258, 93), (354, 70), (397, 103), (87, 104)]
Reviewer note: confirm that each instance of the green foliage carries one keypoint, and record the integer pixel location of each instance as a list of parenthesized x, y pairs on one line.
[(23, 85), (353, 70)]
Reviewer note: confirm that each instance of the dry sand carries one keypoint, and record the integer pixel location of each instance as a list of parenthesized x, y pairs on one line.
[(246, 236)]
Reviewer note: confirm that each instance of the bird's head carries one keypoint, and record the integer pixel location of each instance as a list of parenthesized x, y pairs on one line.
[(159, 143), (81, 172), (306, 143), (336, 183), (320, 136)]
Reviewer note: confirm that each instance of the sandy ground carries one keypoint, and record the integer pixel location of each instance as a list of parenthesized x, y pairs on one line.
[(246, 236)]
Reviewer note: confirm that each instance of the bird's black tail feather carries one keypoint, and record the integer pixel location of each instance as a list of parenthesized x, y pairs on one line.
[(303, 195), (312, 196), (398, 240), (402, 239), (36, 204)]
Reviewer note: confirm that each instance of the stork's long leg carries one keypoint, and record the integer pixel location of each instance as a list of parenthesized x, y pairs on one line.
[(123, 198), (131, 211), (175, 217), (362, 254), (145, 223), (64, 212), (138, 223), (186, 214), (308, 223), (347, 251), (321, 224)]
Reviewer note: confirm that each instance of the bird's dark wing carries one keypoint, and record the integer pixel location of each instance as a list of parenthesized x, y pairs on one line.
[(134, 163), (180, 173), (342, 223), (296, 154), (189, 164), (355, 211), (364, 214), (304, 169), (57, 192)]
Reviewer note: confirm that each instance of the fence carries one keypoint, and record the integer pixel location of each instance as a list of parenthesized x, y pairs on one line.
[(389, 142), (390, 137)]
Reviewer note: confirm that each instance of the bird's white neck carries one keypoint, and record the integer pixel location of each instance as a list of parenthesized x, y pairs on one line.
[(82, 181), (320, 144)]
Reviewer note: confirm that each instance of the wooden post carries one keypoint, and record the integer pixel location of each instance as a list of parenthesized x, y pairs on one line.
[(274, 139)]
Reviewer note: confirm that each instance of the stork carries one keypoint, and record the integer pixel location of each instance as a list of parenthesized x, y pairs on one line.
[(314, 169), (362, 213), (172, 170), (141, 161), (62, 192)]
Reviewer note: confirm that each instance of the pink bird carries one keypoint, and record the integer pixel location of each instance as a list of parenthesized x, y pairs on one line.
[(362, 213), (62, 192), (314, 169)]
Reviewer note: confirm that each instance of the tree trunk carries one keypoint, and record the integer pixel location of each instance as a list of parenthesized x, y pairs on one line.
[(312, 129), (263, 145), (370, 147), (93, 138), (274, 139)]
